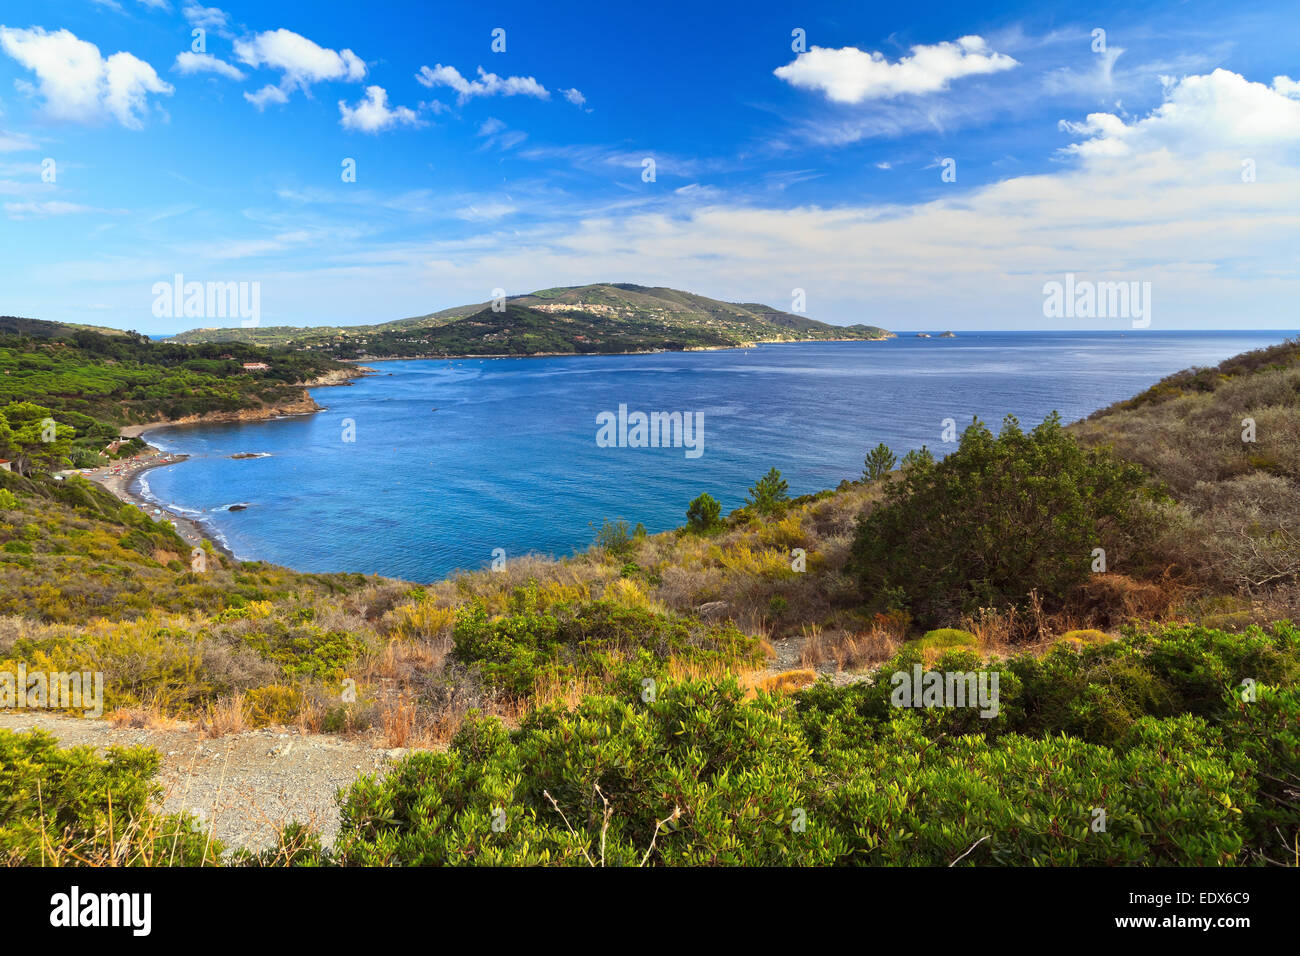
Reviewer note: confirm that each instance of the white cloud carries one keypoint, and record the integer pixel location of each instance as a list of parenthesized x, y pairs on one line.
[(485, 212), (373, 113), (1211, 245), (300, 61), (575, 97), (267, 94), (1220, 110), (156, 4), (850, 75), (487, 84), (191, 63), (208, 18), (77, 83)]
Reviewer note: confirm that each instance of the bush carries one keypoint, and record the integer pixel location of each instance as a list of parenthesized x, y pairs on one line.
[(999, 517), (702, 516), (618, 538), (605, 641), (68, 807)]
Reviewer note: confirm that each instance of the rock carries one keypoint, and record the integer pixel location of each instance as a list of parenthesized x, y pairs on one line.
[(713, 609)]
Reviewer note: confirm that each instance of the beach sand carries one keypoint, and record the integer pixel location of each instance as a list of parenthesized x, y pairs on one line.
[(119, 478)]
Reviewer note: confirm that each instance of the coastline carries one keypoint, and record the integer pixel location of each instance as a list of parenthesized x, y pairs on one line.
[(122, 479), (527, 355)]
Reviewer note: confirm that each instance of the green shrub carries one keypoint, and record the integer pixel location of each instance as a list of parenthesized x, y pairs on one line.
[(69, 807), (997, 518), (702, 516)]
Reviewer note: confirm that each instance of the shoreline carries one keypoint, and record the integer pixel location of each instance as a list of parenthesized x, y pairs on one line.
[(120, 480), (527, 355)]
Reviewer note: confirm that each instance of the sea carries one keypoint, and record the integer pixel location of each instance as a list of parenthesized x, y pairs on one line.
[(430, 466)]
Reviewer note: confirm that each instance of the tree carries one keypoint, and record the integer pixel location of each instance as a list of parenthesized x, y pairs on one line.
[(769, 495), (999, 517), (34, 440), (703, 514), (880, 461), (916, 457)]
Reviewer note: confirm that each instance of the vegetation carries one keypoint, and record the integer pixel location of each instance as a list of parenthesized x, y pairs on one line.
[(1000, 517), (591, 319), (94, 383), (879, 462), (70, 807), (769, 495), (623, 707), (704, 514)]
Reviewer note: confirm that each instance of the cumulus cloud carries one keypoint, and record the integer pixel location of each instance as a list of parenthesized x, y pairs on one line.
[(300, 61), (373, 114), (79, 85), (575, 97), (487, 84), (191, 63), (1220, 110), (850, 75)]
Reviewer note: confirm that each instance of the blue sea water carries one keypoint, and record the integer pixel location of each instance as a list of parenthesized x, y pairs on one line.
[(455, 458)]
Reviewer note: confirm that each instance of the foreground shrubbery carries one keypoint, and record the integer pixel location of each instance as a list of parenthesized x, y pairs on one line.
[(1152, 730), (1155, 731), (70, 807)]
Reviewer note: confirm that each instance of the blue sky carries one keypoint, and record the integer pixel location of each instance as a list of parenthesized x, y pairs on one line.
[(775, 168)]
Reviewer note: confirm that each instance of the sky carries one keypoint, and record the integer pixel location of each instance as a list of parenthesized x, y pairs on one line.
[(913, 166)]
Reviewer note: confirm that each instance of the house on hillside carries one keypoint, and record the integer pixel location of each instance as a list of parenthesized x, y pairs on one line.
[(6, 464), (256, 367)]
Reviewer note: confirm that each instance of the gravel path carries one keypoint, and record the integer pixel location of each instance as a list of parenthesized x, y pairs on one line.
[(245, 786)]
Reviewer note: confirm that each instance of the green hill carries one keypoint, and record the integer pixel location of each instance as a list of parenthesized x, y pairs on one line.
[(588, 319)]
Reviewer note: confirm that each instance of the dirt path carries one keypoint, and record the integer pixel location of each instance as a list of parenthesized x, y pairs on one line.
[(245, 786)]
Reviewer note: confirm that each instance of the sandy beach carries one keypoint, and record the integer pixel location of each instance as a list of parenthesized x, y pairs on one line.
[(119, 477)]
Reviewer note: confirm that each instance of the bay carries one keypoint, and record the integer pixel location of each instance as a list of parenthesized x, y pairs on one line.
[(453, 459)]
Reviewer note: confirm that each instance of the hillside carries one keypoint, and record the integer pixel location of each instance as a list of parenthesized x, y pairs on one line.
[(601, 318), (698, 676), (93, 383), (12, 325)]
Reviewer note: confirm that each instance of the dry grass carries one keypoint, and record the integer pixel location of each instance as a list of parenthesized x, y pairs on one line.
[(397, 719), (783, 683), (143, 717), (850, 650), (226, 716)]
